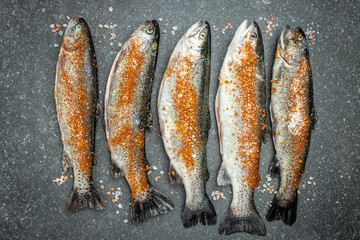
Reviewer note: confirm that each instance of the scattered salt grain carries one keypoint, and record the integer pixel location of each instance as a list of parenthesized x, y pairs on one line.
[(56, 45), (160, 19), (154, 167), (106, 26), (61, 32), (119, 44), (173, 32), (100, 26), (111, 9), (164, 31), (64, 25), (161, 172), (52, 25), (119, 205), (174, 28), (113, 36), (117, 211), (67, 17), (125, 220)]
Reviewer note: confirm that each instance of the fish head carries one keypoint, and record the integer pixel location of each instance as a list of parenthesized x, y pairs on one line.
[(147, 35), (196, 41), (292, 46), (76, 35), (247, 42)]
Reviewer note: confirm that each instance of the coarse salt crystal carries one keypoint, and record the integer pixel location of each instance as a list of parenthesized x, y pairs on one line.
[(154, 167), (111, 9)]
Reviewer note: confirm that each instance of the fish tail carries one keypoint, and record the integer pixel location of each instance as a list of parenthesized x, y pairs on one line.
[(233, 222), (274, 168), (205, 213), (89, 197), (154, 203), (284, 210)]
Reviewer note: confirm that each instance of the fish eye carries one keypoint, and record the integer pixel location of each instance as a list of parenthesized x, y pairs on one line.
[(253, 35), (300, 37), (202, 35), (78, 27), (150, 30)]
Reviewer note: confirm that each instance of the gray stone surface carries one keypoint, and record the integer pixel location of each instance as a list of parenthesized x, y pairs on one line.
[(32, 206)]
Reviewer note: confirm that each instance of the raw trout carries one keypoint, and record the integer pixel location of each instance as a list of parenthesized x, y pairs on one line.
[(241, 117), (76, 96), (292, 116), (128, 114), (183, 108)]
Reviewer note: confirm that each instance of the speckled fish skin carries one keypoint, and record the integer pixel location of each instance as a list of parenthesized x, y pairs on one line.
[(241, 117), (127, 114), (183, 108), (76, 95), (292, 116)]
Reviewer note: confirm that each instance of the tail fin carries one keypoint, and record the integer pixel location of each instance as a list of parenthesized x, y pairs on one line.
[(154, 204), (274, 168), (283, 210), (205, 213), (90, 198), (233, 223)]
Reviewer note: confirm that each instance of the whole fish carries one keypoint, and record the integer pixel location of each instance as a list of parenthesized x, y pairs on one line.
[(241, 117), (292, 115), (76, 96), (183, 108), (128, 114)]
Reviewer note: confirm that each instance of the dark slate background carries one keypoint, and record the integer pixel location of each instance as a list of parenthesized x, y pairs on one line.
[(32, 206)]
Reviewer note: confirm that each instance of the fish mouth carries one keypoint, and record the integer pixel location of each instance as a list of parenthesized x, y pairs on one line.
[(75, 21), (285, 37), (245, 28), (197, 27)]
